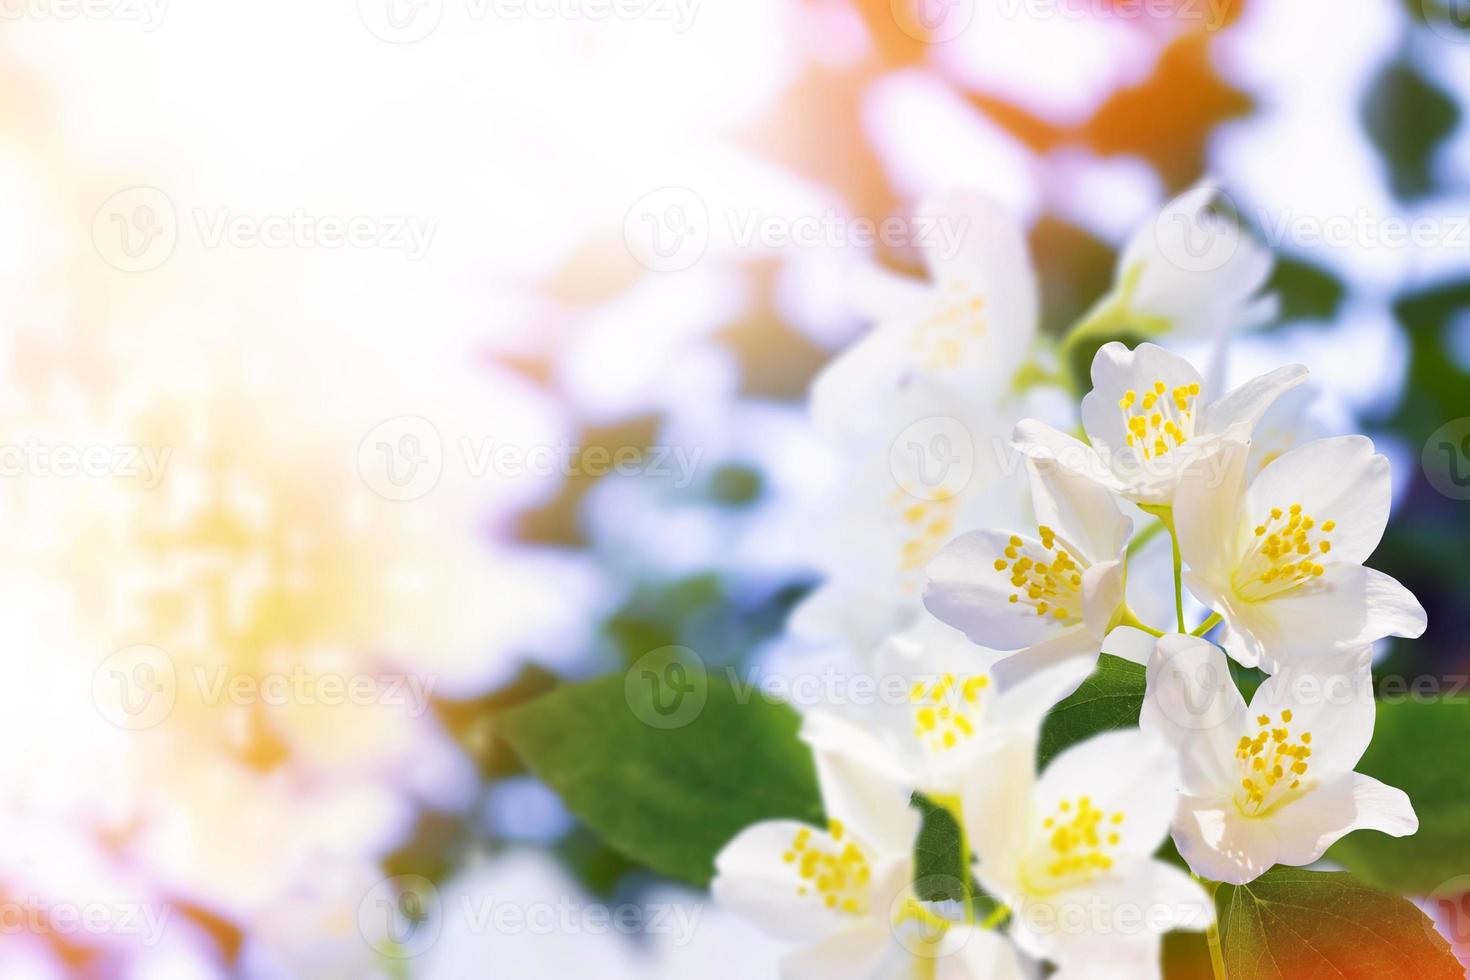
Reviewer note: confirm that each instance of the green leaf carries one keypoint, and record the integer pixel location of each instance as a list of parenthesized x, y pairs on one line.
[(1291, 924), (1423, 748), (941, 872), (1110, 698), (668, 763)]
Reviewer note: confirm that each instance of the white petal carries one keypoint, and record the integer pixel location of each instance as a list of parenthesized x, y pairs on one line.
[(868, 800), (1037, 440), (857, 951), (997, 805), (1220, 843), (1023, 706), (1131, 644), (1392, 609), (1336, 807), (1104, 588), (846, 395), (991, 253), (1245, 405), (1141, 960), (753, 880), (1192, 703), (966, 591), (1076, 646), (1339, 479), (1081, 511), (1116, 370), (1136, 902), (967, 953), (877, 294), (1125, 771), (1207, 511), (1345, 608), (1329, 695)]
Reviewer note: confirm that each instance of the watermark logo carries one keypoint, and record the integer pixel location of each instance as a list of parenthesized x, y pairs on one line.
[(1449, 911), (402, 458), (400, 917), (667, 230), (400, 21), (136, 230), (933, 21), (1450, 19), (146, 13), (135, 688), (933, 458), (1446, 459), (1198, 239), (667, 688)]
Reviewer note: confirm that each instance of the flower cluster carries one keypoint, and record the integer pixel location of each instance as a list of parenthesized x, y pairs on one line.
[(996, 625)]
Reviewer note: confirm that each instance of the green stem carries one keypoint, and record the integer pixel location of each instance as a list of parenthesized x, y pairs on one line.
[(996, 918), (1143, 537), (1207, 625), (1212, 935), (1166, 515), (1130, 618)]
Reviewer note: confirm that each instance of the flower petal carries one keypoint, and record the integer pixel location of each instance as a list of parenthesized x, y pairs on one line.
[(1220, 843), (1080, 510), (1126, 771), (871, 801), (1074, 646), (1117, 370), (1192, 703), (1336, 807), (1037, 440), (990, 254), (842, 394), (1330, 696), (997, 805), (1207, 508), (1245, 405), (968, 953), (753, 879), (966, 591), (1340, 479), (1104, 592), (1392, 609), (1131, 644), (856, 951)]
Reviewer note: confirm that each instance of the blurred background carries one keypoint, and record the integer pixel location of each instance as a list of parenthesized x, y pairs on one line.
[(370, 367)]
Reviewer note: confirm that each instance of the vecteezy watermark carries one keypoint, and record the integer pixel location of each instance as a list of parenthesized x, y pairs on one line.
[(1094, 915), (137, 687), (147, 14), (138, 230), (1450, 19), (667, 688), (410, 21), (69, 461), (141, 922), (403, 916), (933, 458), (1446, 459), (670, 229), (1448, 906), (932, 21), (404, 458)]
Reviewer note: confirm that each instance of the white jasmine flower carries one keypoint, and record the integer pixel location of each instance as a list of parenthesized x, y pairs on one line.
[(1052, 595), (844, 890), (953, 710), (967, 329), (1190, 272), (1282, 560), (1272, 783), (1150, 417), (1071, 853)]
